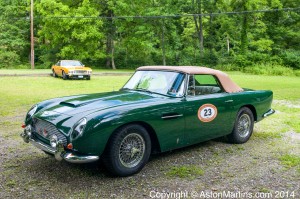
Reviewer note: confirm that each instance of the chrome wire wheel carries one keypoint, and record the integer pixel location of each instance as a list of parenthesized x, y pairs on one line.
[(244, 125), (132, 150)]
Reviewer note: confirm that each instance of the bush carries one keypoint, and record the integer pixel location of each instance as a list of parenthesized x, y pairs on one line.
[(269, 69), (291, 58), (8, 59)]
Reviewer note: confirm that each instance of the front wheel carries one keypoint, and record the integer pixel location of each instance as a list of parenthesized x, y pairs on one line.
[(64, 76), (128, 150), (243, 126)]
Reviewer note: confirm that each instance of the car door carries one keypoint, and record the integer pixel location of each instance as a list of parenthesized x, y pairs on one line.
[(208, 109), (57, 68)]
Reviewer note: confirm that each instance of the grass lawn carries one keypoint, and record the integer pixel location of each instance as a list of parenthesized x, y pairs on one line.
[(18, 94)]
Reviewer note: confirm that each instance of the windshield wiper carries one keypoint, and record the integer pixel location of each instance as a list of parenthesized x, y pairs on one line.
[(124, 89), (143, 89)]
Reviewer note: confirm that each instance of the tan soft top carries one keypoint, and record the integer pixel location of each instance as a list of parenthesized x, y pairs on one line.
[(228, 85)]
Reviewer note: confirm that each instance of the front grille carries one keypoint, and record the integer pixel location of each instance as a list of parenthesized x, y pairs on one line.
[(80, 72), (46, 130)]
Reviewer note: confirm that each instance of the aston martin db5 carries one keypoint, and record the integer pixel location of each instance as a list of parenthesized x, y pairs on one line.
[(159, 109)]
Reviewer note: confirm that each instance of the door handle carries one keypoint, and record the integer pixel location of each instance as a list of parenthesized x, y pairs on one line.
[(228, 101), (169, 116)]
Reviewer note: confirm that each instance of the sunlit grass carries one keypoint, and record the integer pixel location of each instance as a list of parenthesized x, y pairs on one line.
[(19, 93)]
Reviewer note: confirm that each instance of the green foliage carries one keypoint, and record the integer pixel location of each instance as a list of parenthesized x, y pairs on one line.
[(189, 171), (269, 69), (14, 43), (291, 58), (236, 41)]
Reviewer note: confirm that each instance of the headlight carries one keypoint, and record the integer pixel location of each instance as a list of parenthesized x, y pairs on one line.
[(78, 128), (71, 72), (32, 111)]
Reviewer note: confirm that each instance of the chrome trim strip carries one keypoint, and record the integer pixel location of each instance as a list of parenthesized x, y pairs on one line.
[(270, 112), (70, 157), (171, 116)]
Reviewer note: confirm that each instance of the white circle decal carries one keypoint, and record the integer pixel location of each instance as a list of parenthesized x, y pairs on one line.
[(207, 112)]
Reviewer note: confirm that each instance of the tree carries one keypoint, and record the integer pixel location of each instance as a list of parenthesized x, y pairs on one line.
[(14, 32), (70, 37)]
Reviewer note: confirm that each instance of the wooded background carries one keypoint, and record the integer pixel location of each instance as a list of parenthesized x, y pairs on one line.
[(125, 34)]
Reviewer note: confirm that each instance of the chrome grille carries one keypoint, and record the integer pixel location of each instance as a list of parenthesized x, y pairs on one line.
[(46, 130), (80, 72)]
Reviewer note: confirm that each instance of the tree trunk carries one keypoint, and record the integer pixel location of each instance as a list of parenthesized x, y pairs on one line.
[(163, 44), (110, 47), (108, 50), (199, 26), (228, 44), (112, 56)]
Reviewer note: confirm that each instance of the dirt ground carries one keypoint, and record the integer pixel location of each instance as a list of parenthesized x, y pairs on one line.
[(252, 169)]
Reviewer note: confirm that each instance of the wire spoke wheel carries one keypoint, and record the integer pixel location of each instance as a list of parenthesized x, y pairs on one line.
[(243, 127), (132, 150), (244, 124), (128, 150)]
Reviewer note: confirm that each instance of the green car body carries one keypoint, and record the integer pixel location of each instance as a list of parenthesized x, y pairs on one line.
[(171, 121)]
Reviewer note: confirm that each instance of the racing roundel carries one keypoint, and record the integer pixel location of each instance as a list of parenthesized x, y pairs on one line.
[(207, 113)]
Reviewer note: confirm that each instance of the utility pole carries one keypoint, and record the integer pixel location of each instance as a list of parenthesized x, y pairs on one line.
[(31, 35)]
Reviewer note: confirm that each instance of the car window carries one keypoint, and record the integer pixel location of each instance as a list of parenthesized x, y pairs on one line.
[(162, 82), (58, 63), (71, 63), (203, 85)]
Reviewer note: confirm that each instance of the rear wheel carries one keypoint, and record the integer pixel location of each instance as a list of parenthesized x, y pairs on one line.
[(128, 150), (53, 73), (243, 126)]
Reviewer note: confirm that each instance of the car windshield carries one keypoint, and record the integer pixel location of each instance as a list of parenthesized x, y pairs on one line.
[(71, 63), (160, 82)]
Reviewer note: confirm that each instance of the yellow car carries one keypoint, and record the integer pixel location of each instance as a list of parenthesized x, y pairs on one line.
[(72, 69)]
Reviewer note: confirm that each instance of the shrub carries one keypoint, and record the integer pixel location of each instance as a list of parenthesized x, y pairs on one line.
[(291, 58)]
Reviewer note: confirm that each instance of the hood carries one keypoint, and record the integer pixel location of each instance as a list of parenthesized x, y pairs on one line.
[(82, 105), (79, 68)]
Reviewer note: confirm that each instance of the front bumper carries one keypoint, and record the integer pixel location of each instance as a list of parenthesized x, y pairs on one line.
[(75, 76), (59, 152)]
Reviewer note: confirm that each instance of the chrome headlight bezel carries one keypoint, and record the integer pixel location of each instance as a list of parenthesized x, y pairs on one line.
[(78, 128)]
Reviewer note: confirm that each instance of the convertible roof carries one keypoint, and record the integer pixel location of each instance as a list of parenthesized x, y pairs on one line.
[(228, 85)]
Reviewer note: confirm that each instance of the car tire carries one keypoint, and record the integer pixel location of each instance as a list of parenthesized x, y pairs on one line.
[(54, 74), (128, 150), (88, 78), (64, 76), (243, 126)]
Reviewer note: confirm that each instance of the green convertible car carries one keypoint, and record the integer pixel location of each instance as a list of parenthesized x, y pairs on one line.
[(160, 108)]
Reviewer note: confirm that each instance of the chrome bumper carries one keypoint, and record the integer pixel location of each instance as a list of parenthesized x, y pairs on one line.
[(59, 152), (268, 113)]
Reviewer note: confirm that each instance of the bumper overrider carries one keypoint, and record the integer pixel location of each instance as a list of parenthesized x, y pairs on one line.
[(57, 150)]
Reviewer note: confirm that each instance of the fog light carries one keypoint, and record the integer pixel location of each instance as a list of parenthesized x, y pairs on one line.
[(53, 141)]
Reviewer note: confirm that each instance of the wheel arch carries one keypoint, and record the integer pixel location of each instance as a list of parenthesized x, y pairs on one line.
[(253, 110), (155, 146)]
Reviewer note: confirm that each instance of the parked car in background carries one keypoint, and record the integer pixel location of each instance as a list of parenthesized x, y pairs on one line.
[(71, 69), (159, 109)]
